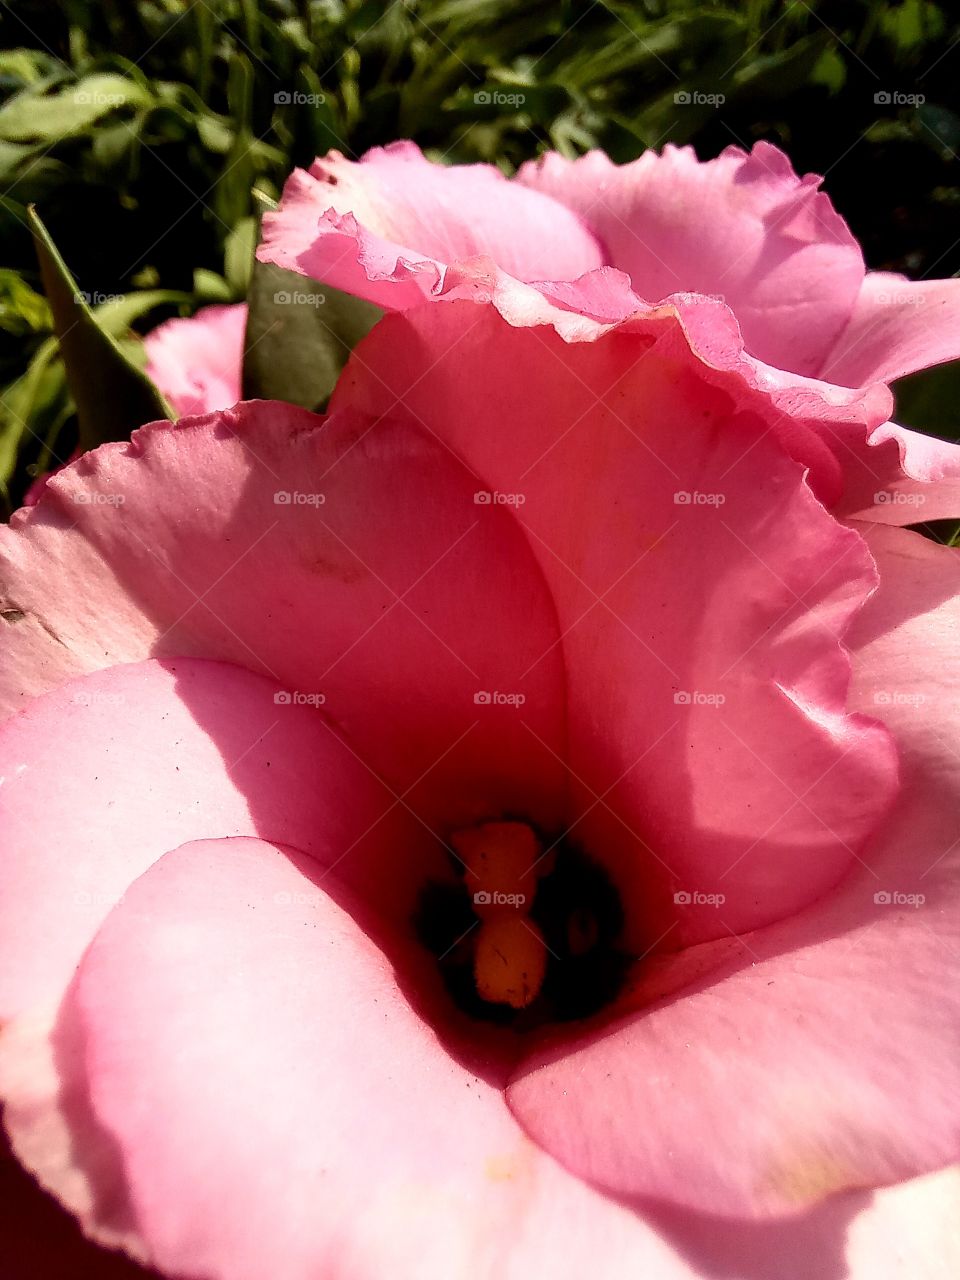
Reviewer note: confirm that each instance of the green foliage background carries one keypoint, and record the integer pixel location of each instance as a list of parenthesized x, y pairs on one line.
[(148, 132)]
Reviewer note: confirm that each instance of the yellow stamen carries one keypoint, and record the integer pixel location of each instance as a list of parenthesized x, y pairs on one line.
[(498, 856), (510, 960)]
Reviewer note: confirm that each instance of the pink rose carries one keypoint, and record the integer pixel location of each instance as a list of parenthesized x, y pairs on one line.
[(506, 826), (196, 361), (754, 259)]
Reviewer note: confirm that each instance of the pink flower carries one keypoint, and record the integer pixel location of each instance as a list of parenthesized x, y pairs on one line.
[(739, 236), (274, 677), (196, 361)]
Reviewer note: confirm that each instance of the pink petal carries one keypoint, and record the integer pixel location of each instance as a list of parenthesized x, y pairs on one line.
[(897, 326), (379, 588), (665, 607), (279, 1107), (898, 476), (791, 1070), (34, 491), (105, 774), (196, 362), (909, 1230), (147, 756), (904, 1232), (386, 228), (743, 227)]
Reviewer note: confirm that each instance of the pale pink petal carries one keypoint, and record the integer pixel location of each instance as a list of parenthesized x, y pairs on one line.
[(99, 779), (347, 559), (904, 1232), (278, 1106), (701, 592), (897, 476), (105, 774), (387, 227), (742, 226), (909, 1232), (823, 1053), (196, 362), (897, 326)]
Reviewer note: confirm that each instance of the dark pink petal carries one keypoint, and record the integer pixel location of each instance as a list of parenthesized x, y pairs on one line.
[(33, 493), (386, 228), (344, 558), (196, 362), (818, 424), (742, 226), (701, 592), (897, 326), (823, 1053), (278, 1107)]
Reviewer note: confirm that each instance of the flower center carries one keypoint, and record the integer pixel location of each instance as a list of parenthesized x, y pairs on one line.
[(527, 932)]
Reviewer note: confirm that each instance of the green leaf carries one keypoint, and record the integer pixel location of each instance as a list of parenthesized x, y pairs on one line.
[(32, 117), (238, 250), (781, 73), (208, 286), (929, 401), (299, 335), (22, 310), (830, 70), (24, 401), (12, 156), (215, 134), (112, 397), (28, 65), (231, 195), (117, 315)]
